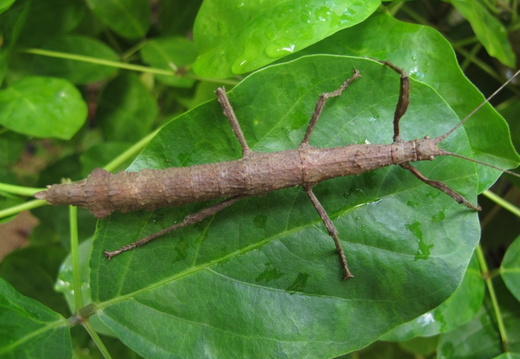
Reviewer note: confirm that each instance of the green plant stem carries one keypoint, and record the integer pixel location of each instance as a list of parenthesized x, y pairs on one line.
[(11, 211), (502, 203), (74, 247), (76, 280), (120, 65), (20, 190), (472, 55), (494, 302), (481, 64), (131, 152), (95, 337)]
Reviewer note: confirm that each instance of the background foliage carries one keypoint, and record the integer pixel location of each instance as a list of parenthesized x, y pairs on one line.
[(90, 84)]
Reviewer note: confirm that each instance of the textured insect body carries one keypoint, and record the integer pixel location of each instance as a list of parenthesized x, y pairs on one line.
[(258, 173), (255, 173)]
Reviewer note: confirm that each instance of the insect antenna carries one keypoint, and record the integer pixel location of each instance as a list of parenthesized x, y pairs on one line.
[(442, 137)]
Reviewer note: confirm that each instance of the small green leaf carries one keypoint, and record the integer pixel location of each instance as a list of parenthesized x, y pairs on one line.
[(480, 338), (128, 18), (32, 271), (77, 72), (490, 32), (28, 329), (11, 25), (235, 36), (51, 18), (126, 109), (510, 268), (170, 53), (42, 107), (5, 5)]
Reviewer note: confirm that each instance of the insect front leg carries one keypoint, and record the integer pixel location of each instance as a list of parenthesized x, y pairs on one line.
[(333, 232), (321, 103)]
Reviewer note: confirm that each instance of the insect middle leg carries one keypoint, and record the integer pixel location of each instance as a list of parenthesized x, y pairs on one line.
[(333, 232), (233, 121)]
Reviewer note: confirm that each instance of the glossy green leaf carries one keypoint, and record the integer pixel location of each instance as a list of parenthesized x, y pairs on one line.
[(262, 277), (460, 308), (126, 109), (170, 53), (490, 139), (42, 107), (128, 18), (77, 72), (235, 36), (479, 338), (489, 31), (510, 268), (28, 329)]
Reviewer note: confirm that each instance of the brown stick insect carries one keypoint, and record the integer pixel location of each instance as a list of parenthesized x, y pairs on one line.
[(256, 173)]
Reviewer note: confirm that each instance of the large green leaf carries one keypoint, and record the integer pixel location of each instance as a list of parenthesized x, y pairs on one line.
[(262, 277), (28, 329), (235, 36)]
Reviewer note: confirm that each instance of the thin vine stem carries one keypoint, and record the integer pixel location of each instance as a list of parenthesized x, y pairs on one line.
[(11, 211), (120, 65), (74, 250), (76, 281), (488, 279), (97, 340), (502, 202)]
